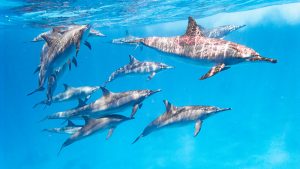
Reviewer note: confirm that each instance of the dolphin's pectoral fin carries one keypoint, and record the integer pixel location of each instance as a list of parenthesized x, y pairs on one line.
[(214, 70), (86, 43), (151, 75), (36, 90), (198, 125), (69, 63), (110, 132), (134, 110), (37, 69), (74, 61)]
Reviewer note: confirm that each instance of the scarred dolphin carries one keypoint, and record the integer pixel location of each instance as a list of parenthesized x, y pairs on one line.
[(93, 126), (71, 93), (138, 67), (180, 116), (70, 128), (196, 47), (109, 103)]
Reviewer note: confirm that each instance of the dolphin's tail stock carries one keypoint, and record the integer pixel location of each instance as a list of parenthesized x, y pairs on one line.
[(36, 90), (140, 136), (260, 58)]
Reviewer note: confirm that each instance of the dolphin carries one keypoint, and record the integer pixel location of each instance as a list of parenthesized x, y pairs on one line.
[(71, 93), (109, 103), (71, 128), (180, 116), (62, 29), (138, 67), (221, 31), (196, 47), (60, 50), (93, 126), (52, 81)]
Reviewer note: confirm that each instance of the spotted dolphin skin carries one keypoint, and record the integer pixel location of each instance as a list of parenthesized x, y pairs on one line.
[(93, 126), (71, 93), (180, 116), (138, 67), (109, 103), (221, 31), (71, 128), (196, 47), (61, 48)]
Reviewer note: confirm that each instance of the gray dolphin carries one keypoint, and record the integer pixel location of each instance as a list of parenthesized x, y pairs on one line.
[(180, 116), (109, 103), (52, 81), (221, 31), (71, 93), (93, 126), (62, 29), (70, 128), (61, 48), (138, 67), (196, 47)]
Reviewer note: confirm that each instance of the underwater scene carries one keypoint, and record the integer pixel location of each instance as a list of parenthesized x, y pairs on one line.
[(143, 84)]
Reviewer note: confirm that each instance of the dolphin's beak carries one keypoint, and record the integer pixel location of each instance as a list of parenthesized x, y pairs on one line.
[(170, 67), (224, 109), (154, 91)]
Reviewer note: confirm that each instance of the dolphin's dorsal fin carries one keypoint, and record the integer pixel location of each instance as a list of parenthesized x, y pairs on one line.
[(81, 103), (70, 123), (169, 106), (67, 87), (105, 91), (193, 29), (132, 59), (49, 39), (87, 119)]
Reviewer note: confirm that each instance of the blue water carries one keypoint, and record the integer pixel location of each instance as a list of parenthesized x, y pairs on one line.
[(261, 131)]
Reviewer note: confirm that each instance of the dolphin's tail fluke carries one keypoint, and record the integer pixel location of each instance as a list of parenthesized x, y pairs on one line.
[(140, 136), (260, 58), (36, 90)]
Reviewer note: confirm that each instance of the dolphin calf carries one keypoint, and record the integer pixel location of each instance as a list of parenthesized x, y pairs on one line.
[(60, 50), (180, 116), (93, 126), (70, 128), (138, 67), (221, 31), (196, 47), (52, 81), (109, 103), (71, 93)]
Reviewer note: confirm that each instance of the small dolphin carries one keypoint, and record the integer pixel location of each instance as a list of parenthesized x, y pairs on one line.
[(196, 47), (109, 103), (221, 31), (181, 116), (60, 50), (52, 81), (93, 126), (71, 128), (71, 93), (138, 67)]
